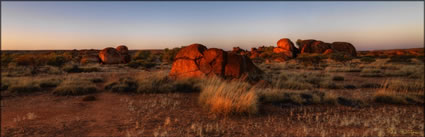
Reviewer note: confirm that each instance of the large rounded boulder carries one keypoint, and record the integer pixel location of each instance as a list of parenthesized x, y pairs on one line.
[(197, 61), (110, 56), (125, 56), (286, 47), (344, 47)]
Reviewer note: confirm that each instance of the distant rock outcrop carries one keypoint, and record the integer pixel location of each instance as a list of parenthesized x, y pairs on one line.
[(114, 55), (125, 56), (110, 56), (286, 48), (197, 61), (316, 46)]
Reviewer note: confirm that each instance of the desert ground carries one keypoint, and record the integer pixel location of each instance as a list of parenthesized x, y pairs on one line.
[(55, 93)]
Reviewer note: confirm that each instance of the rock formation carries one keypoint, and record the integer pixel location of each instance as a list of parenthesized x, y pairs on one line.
[(110, 56), (315, 46), (197, 61)]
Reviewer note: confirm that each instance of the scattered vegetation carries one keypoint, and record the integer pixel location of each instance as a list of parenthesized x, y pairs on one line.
[(75, 87)]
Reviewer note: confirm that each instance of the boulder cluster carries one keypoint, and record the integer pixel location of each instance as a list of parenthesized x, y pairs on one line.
[(196, 60), (286, 49), (108, 55)]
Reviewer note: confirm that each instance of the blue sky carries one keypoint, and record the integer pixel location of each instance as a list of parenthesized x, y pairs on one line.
[(158, 25)]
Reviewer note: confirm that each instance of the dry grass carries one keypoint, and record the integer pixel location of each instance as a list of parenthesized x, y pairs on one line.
[(390, 95), (223, 97), (74, 86)]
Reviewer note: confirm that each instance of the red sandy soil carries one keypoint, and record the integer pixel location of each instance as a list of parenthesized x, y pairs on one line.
[(178, 114)]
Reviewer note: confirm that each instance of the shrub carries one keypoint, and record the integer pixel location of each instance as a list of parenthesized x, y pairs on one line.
[(168, 55), (370, 85), (6, 59), (77, 69), (401, 59), (310, 59), (338, 78), (55, 60), (234, 97), (329, 85), (49, 83), (389, 99), (141, 63), (122, 85), (350, 102), (24, 86), (142, 55), (349, 86), (75, 87), (34, 62), (340, 57), (371, 73), (368, 59)]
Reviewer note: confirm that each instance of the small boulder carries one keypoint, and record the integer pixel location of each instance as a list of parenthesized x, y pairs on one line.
[(110, 56)]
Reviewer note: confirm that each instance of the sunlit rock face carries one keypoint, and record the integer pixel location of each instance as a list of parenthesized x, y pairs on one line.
[(110, 56), (116, 55), (196, 60)]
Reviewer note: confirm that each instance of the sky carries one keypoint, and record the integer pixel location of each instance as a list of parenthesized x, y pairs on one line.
[(158, 25)]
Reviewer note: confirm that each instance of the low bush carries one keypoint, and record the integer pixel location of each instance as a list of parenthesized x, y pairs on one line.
[(141, 63), (401, 59), (77, 69), (338, 78), (122, 85), (367, 59), (370, 85), (75, 87), (349, 86), (24, 86), (49, 83)]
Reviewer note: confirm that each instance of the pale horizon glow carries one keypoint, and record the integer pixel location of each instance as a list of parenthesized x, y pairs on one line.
[(158, 25)]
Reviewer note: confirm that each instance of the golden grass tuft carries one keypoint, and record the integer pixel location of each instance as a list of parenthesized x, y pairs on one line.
[(234, 97)]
